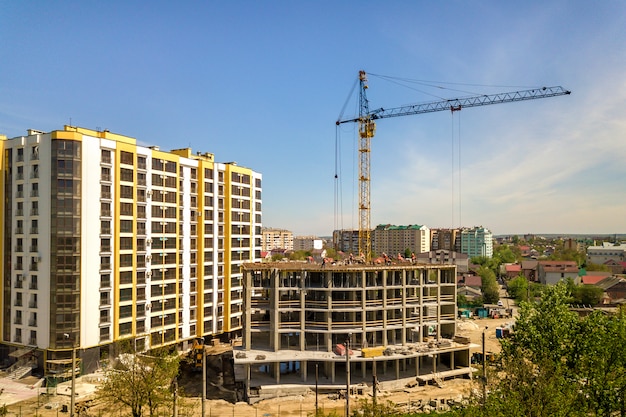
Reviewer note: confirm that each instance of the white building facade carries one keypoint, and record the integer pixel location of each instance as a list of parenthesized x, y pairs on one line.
[(107, 241)]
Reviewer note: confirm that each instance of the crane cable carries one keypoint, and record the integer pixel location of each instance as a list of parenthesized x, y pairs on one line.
[(337, 197), (458, 133)]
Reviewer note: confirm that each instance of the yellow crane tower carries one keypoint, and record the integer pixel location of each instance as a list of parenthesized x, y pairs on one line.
[(367, 129)]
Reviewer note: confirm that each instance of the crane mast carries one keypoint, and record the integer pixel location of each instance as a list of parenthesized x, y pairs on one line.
[(367, 129)]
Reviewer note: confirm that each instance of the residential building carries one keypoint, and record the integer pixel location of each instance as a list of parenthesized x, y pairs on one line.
[(307, 243), (477, 241), (511, 270), (529, 270), (614, 288), (391, 239), (347, 241), (106, 241), (551, 272), (298, 317), (276, 239), (605, 252), (445, 257), (447, 239)]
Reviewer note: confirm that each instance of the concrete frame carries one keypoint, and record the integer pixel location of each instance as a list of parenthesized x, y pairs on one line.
[(298, 316)]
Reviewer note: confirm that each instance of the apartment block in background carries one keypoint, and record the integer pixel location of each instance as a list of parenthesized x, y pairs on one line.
[(276, 239), (391, 239), (106, 241), (307, 243), (477, 241)]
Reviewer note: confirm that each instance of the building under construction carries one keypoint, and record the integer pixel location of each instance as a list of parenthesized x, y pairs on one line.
[(398, 320)]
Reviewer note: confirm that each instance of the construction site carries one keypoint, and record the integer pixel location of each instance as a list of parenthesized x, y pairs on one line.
[(348, 326)]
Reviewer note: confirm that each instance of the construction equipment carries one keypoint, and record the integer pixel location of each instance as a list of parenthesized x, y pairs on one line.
[(367, 128)]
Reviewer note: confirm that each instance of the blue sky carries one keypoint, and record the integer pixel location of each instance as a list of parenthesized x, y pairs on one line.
[(262, 83)]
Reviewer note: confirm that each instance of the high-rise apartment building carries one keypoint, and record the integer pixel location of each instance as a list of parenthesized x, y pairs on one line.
[(276, 239), (104, 240), (392, 239), (477, 241), (346, 240), (307, 243), (445, 239)]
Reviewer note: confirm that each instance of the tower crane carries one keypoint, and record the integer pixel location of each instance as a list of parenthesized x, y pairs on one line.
[(367, 129)]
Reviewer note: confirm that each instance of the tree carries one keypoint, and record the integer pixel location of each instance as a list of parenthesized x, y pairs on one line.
[(138, 381), (597, 267), (489, 287), (518, 288), (587, 295)]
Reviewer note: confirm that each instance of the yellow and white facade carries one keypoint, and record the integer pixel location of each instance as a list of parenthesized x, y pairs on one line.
[(107, 241)]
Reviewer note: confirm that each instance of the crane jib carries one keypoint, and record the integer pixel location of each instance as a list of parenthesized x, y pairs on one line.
[(459, 103), (367, 128)]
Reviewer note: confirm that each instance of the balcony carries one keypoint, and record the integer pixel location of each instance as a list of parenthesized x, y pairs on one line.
[(32, 341), (32, 323), (33, 286), (17, 320), (32, 304)]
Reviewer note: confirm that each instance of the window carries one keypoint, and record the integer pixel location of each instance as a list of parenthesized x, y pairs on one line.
[(126, 158), (126, 226), (126, 174)]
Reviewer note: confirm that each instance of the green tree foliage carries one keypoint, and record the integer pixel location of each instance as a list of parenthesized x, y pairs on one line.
[(277, 257), (518, 288), (140, 381), (299, 255), (489, 287), (558, 364), (587, 295), (597, 267)]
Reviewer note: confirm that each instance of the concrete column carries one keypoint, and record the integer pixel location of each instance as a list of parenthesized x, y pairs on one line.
[(277, 372), (384, 284), (274, 313), (303, 370), (247, 315), (332, 372), (303, 295), (404, 325), (397, 368)]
